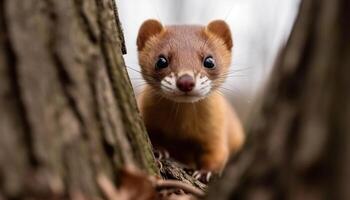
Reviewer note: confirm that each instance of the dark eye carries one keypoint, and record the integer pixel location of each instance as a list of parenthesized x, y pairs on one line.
[(209, 62), (162, 62)]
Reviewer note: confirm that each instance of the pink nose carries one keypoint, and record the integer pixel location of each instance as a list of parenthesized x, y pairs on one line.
[(185, 83)]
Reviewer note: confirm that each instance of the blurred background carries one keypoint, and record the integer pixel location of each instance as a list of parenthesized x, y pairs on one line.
[(260, 29)]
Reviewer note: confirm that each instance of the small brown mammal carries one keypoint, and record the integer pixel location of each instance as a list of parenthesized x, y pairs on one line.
[(184, 66)]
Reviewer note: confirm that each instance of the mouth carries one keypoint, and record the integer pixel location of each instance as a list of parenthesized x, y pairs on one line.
[(185, 88), (185, 97), (176, 95)]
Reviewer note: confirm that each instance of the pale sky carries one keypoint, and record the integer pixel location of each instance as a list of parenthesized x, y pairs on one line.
[(260, 29)]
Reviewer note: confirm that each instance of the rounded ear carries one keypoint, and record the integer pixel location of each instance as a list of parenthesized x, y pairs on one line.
[(222, 30), (148, 29)]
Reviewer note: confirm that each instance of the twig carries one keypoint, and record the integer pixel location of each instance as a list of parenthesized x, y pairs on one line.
[(181, 185)]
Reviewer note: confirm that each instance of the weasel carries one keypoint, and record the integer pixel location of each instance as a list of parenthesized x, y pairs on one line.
[(183, 111)]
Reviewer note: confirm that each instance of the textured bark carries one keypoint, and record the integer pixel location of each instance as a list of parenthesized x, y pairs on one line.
[(299, 139), (67, 111), (171, 169)]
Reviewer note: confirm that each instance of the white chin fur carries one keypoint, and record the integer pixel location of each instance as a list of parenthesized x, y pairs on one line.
[(184, 98), (199, 92)]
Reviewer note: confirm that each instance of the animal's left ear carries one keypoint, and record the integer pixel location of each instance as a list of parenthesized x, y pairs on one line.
[(222, 30)]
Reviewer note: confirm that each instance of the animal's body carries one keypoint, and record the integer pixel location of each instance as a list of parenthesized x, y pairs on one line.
[(183, 111)]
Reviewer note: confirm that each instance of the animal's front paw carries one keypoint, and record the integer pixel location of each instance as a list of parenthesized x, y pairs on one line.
[(203, 176)]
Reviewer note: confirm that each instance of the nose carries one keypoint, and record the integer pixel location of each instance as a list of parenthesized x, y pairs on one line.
[(185, 83)]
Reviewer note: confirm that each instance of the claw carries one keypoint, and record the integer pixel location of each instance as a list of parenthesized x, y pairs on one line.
[(203, 176), (161, 154)]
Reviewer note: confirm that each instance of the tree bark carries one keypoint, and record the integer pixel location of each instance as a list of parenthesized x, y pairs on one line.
[(299, 143), (67, 111)]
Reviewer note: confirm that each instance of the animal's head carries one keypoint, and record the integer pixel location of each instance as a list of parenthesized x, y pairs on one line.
[(185, 63)]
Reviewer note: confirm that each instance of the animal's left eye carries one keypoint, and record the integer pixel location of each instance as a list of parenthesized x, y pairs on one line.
[(209, 62)]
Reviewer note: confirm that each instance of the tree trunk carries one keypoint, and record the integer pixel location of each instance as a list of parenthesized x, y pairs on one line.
[(299, 140), (67, 111)]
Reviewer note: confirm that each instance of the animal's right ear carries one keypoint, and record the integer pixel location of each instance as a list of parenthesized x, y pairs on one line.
[(148, 29)]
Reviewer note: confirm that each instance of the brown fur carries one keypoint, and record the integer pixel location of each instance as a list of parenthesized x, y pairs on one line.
[(204, 133)]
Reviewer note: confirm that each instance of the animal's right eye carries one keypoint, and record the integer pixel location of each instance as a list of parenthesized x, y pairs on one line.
[(162, 62), (209, 62)]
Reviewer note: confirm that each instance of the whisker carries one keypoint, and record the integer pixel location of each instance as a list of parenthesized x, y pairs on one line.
[(220, 93), (142, 73), (137, 86), (167, 87), (204, 88), (220, 86), (234, 76), (159, 96), (240, 69), (153, 91), (241, 77), (230, 90), (134, 70), (233, 72), (144, 81)]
